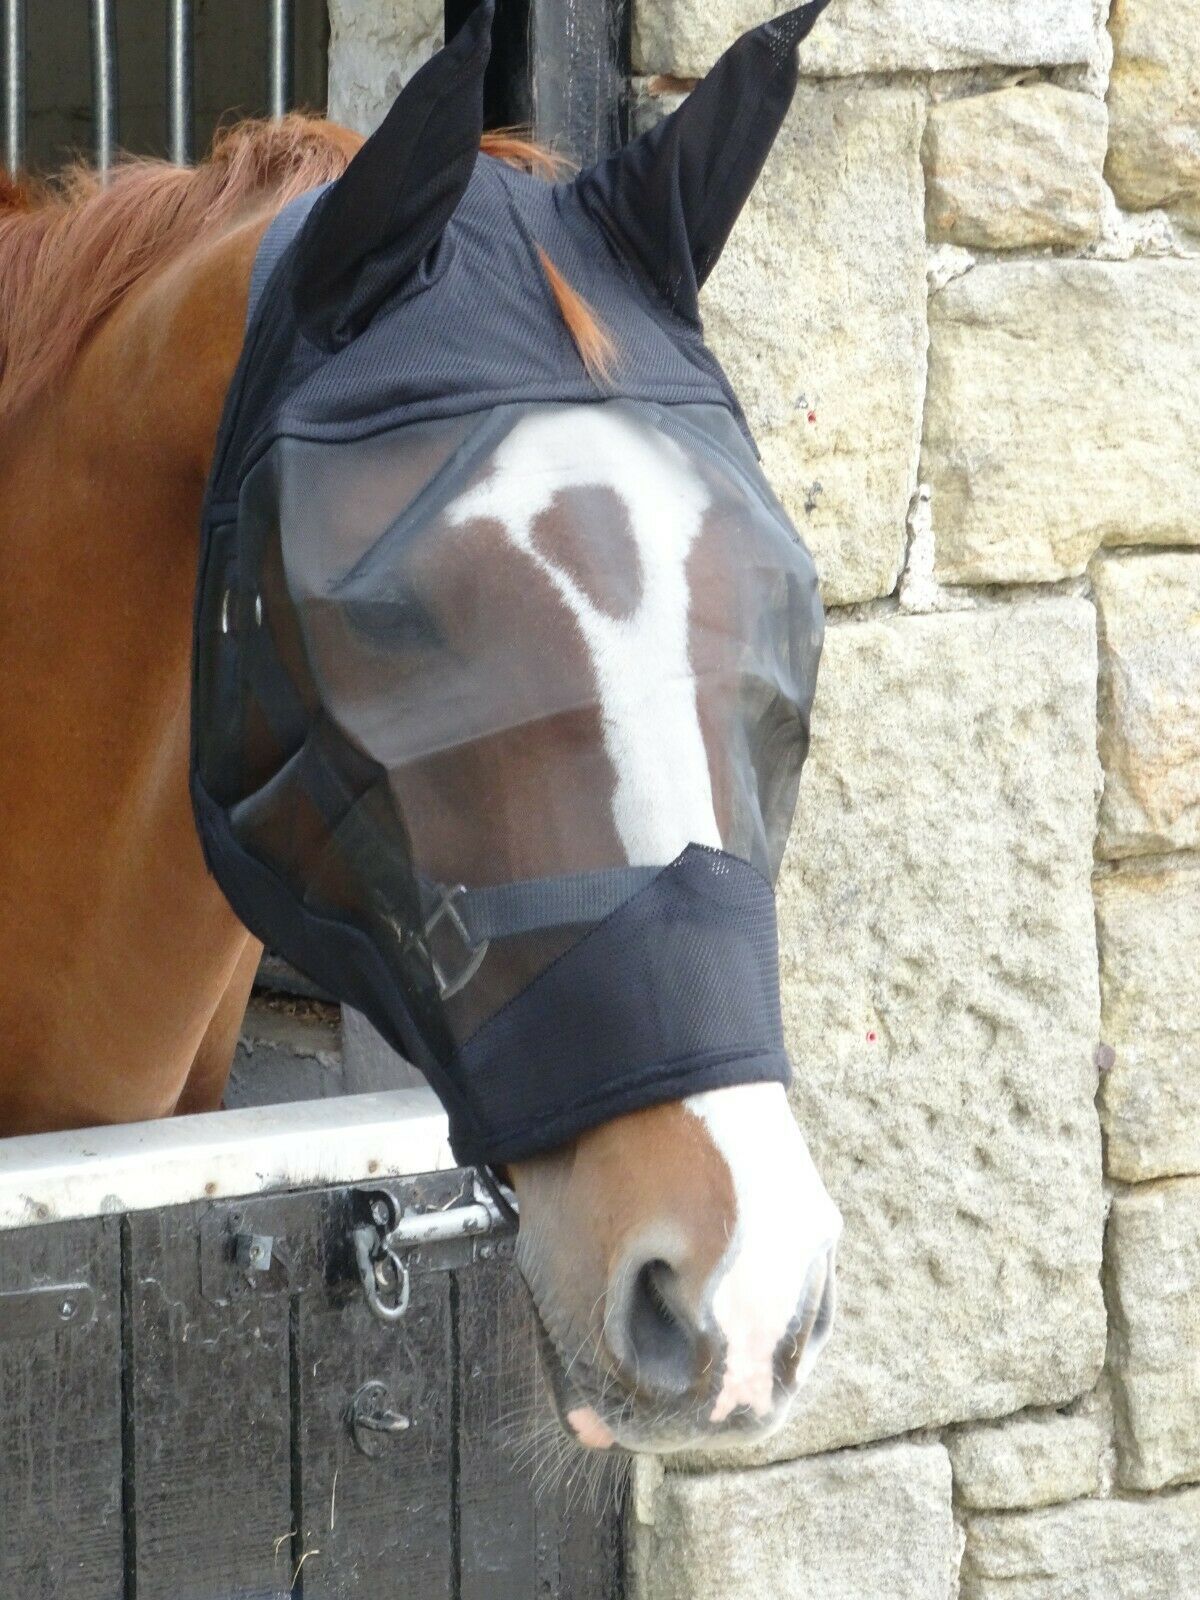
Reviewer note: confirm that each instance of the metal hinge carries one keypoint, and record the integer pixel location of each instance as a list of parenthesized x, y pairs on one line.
[(26, 1313)]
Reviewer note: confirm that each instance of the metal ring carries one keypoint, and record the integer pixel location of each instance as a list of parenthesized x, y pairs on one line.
[(372, 1256), (371, 1420)]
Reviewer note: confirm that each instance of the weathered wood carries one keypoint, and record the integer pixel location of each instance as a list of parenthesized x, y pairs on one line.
[(497, 1383), (381, 1527), (223, 1437), (60, 1419), (559, 66), (536, 1517), (208, 1435), (589, 1539)]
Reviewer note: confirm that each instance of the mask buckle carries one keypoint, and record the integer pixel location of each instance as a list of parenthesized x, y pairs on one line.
[(447, 911)]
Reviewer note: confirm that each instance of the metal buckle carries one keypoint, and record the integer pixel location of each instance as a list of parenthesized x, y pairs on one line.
[(447, 910)]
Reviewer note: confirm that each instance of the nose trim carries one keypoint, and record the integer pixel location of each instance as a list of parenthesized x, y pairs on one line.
[(762, 1367), (805, 1339)]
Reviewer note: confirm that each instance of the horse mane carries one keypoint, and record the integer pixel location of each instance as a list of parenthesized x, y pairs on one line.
[(71, 250)]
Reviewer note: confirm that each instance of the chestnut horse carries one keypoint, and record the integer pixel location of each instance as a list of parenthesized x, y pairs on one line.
[(125, 973)]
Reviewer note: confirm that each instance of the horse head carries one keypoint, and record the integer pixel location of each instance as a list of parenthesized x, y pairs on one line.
[(504, 665)]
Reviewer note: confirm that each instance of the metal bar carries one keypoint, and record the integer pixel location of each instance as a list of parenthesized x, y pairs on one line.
[(417, 1228), (14, 85), (579, 72), (179, 81), (279, 52), (104, 82), (28, 1312)]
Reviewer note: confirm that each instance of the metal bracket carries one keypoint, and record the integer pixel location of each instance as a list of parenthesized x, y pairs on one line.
[(253, 1251), (446, 910), (26, 1313), (236, 1261)]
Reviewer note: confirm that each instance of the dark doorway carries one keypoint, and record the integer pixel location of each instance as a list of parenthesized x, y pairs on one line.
[(230, 44)]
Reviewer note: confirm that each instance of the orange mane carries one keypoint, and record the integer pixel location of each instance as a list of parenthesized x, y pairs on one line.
[(69, 252)]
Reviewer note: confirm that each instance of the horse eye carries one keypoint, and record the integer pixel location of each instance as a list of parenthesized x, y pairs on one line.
[(399, 621)]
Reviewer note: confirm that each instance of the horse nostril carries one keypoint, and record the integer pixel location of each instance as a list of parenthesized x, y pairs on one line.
[(811, 1329), (654, 1337)]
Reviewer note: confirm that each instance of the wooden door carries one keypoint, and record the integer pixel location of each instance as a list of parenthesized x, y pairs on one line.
[(175, 1389)]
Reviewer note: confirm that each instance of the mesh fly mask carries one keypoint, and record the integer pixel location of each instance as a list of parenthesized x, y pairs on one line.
[(502, 671)]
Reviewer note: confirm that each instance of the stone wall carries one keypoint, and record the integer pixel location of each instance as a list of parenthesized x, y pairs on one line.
[(963, 309)]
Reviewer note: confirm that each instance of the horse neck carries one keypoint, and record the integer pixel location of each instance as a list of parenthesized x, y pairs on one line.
[(103, 482), (102, 885)]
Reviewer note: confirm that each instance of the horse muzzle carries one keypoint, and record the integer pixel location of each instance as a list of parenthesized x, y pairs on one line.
[(676, 1370)]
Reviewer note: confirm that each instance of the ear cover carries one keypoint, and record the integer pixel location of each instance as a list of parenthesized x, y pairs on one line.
[(672, 196), (397, 195)]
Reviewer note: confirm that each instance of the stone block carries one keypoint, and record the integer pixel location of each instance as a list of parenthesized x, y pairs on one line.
[(374, 48), (942, 1012), (1153, 1274), (1148, 922), (1149, 614), (1062, 398), (1154, 101), (855, 1526), (1036, 1459), (684, 37), (1091, 1550), (817, 310), (1017, 168), (369, 1062)]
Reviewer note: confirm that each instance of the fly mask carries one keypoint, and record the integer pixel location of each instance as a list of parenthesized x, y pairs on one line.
[(503, 668)]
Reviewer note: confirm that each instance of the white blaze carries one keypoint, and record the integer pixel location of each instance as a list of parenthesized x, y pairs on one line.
[(663, 800), (785, 1225), (783, 1242)]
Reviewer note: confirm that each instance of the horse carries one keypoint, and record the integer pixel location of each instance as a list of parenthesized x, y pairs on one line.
[(680, 1256)]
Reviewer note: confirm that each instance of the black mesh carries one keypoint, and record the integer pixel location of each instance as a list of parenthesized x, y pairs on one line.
[(789, 30), (677, 992), (503, 675)]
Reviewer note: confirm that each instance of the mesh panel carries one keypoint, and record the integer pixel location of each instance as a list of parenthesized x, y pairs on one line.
[(787, 31), (550, 647)]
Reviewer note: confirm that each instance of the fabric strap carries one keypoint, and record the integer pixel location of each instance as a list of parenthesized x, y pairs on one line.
[(506, 910)]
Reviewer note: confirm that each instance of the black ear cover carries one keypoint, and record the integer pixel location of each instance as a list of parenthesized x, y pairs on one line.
[(391, 205), (672, 196)]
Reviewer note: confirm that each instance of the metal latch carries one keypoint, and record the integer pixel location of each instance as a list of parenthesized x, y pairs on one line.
[(391, 1233)]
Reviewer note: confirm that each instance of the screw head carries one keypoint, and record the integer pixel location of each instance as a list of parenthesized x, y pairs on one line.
[(67, 1310), (380, 1213)]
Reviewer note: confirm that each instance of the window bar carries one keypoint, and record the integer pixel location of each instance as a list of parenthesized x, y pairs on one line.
[(179, 81), (14, 85), (579, 70), (104, 82), (279, 27)]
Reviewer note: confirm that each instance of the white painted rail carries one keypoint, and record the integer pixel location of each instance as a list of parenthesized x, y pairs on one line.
[(51, 1177)]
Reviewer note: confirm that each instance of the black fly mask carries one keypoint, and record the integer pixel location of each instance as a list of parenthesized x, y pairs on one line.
[(503, 669)]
